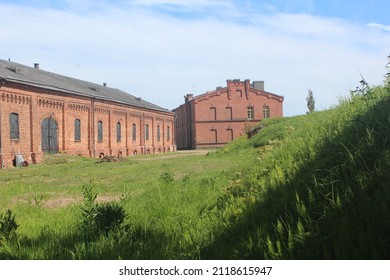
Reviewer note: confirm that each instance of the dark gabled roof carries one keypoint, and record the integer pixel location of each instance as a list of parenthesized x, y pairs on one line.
[(36, 77)]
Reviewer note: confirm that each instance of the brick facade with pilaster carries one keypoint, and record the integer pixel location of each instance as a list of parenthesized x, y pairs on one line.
[(33, 105), (217, 117)]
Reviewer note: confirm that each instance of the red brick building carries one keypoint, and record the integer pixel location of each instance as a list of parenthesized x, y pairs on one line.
[(42, 112), (217, 117)]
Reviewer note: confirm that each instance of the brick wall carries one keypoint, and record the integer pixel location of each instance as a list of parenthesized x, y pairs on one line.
[(219, 116), (33, 105)]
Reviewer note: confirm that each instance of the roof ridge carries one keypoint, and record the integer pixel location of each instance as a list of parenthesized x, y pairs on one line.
[(45, 79)]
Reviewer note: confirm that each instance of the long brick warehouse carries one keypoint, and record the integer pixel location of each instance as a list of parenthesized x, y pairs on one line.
[(42, 112)]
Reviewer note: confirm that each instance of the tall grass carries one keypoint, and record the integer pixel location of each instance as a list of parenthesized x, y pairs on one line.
[(306, 187), (320, 192)]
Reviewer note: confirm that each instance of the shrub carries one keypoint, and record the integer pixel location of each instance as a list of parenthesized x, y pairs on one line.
[(8, 226), (109, 216), (99, 218), (167, 177)]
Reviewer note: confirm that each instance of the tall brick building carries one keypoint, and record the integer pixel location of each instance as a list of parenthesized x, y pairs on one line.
[(43, 112), (217, 117)]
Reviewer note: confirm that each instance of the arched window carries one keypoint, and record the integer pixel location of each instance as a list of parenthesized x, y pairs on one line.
[(158, 133), (147, 132), (168, 133), (14, 126), (134, 132), (118, 132), (77, 130), (100, 131)]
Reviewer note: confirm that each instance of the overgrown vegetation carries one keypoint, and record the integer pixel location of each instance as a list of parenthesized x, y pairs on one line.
[(8, 227), (306, 187), (318, 189), (98, 218)]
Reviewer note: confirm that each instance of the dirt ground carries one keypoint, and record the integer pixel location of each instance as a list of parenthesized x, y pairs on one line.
[(182, 153), (64, 201)]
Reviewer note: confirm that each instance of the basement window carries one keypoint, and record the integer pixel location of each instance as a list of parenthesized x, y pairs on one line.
[(14, 126)]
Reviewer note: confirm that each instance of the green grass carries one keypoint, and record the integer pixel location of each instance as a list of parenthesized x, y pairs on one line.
[(305, 187)]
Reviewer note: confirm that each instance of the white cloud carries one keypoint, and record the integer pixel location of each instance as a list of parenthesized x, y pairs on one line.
[(161, 57), (190, 4), (379, 26)]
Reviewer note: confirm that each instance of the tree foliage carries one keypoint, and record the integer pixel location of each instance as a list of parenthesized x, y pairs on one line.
[(310, 101), (387, 75)]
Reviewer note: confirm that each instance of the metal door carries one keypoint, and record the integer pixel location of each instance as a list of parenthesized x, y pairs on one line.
[(49, 131)]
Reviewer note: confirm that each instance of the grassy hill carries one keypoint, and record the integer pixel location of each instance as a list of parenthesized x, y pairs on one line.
[(318, 186), (305, 187)]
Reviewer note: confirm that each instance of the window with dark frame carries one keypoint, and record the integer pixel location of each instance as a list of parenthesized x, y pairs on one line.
[(134, 132), (147, 132), (168, 133), (14, 126), (250, 113), (77, 130), (266, 112), (118, 132), (100, 131)]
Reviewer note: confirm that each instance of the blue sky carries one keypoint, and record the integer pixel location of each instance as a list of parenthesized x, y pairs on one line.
[(163, 49)]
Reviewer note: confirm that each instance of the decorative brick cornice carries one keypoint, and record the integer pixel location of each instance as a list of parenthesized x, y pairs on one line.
[(102, 110), (120, 112), (15, 98), (78, 107), (48, 103)]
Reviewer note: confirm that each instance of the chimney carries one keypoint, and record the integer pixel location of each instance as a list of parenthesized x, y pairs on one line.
[(36, 65), (188, 97), (258, 85)]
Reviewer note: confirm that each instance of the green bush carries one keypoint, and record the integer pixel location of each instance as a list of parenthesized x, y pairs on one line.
[(167, 177), (99, 218), (109, 216), (8, 226)]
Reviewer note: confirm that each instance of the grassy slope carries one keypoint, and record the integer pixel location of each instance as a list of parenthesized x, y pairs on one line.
[(323, 190), (311, 187)]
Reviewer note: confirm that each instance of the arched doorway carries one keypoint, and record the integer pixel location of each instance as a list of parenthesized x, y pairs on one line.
[(49, 132)]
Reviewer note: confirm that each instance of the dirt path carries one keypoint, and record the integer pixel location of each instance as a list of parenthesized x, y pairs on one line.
[(183, 153)]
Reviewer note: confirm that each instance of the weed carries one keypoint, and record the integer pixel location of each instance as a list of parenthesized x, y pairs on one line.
[(167, 177), (39, 200), (99, 218), (186, 178), (8, 227)]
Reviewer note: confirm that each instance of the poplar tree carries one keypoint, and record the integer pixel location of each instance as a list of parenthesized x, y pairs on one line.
[(387, 75), (310, 101)]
